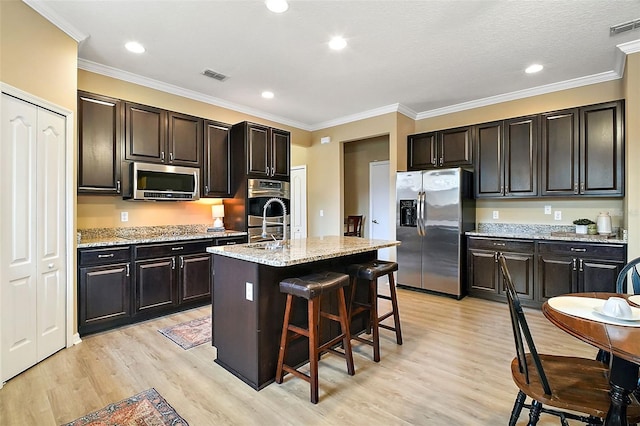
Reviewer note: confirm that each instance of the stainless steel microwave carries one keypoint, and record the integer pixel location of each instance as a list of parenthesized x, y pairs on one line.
[(161, 182)]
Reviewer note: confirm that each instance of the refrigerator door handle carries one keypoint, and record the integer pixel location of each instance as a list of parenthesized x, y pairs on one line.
[(421, 223)]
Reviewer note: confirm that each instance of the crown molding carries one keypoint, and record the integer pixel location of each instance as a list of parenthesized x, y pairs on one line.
[(630, 47), (622, 50), (57, 20), (186, 93), (364, 115), (521, 94)]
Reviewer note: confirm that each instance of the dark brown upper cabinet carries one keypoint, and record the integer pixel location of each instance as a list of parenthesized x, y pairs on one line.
[(216, 173), (444, 148), (185, 139), (602, 149), (560, 153), (266, 150), (100, 130), (507, 158), (157, 136), (583, 151)]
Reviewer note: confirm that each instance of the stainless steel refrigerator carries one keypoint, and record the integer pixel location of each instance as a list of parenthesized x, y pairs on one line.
[(434, 208)]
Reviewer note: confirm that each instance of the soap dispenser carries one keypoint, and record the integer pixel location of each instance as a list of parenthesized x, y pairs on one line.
[(604, 223)]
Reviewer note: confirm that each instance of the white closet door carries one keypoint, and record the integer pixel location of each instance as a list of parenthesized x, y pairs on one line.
[(51, 292), (32, 288)]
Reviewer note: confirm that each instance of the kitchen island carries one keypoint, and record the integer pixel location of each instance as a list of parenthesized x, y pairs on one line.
[(248, 307)]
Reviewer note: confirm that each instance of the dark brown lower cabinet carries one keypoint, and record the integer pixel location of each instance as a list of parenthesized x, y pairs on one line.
[(578, 267), (104, 288), (485, 279), (156, 284), (173, 274), (542, 269), (125, 284)]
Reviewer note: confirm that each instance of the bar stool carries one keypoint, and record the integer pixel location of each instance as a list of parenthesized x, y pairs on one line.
[(370, 272), (312, 287)]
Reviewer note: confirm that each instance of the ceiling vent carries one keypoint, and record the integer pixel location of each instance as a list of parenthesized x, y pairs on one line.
[(215, 75), (624, 27)]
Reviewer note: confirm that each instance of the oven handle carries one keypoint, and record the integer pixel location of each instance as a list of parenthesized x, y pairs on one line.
[(255, 193)]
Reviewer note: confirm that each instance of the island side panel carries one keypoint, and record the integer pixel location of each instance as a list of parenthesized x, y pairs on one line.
[(235, 318)]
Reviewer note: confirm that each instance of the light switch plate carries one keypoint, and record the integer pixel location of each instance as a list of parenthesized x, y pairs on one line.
[(249, 291), (124, 216), (557, 215), (547, 209), (496, 214)]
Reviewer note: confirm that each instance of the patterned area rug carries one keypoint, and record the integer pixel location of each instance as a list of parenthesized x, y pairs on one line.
[(191, 333), (147, 408)]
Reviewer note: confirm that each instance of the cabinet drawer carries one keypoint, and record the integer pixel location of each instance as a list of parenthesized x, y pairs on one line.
[(173, 248), (519, 246), (104, 255), (607, 251), (226, 241)]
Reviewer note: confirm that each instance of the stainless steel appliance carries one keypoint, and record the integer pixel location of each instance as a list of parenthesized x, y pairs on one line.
[(157, 182), (434, 209), (259, 191)]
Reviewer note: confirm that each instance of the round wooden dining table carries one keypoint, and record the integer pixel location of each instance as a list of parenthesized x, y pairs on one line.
[(622, 342)]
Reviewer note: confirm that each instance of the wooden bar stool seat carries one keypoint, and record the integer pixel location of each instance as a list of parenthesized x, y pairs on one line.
[(312, 287), (370, 272)]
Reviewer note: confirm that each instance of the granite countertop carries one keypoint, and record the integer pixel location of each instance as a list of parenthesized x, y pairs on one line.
[(305, 250), (106, 237), (541, 232)]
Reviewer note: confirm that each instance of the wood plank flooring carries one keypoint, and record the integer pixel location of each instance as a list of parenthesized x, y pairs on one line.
[(453, 369)]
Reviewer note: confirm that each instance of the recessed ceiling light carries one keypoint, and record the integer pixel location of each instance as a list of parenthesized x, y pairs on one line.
[(135, 47), (267, 94), (531, 69), (337, 43), (277, 6)]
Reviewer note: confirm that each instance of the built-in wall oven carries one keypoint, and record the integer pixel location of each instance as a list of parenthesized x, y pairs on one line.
[(259, 191)]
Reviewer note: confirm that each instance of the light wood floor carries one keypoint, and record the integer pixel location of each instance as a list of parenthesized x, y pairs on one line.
[(453, 369)]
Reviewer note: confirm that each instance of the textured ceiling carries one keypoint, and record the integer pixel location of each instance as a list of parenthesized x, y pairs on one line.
[(420, 57)]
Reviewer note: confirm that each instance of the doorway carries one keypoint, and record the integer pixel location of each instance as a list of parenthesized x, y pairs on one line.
[(357, 155)]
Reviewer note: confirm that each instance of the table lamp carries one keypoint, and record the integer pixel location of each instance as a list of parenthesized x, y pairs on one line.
[(217, 212)]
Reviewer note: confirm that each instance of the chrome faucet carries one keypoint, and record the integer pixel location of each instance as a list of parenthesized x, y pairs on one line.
[(284, 218)]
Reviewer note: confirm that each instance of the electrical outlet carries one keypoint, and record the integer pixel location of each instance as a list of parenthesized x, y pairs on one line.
[(496, 214), (557, 215), (547, 209), (321, 213), (249, 291), (124, 216)]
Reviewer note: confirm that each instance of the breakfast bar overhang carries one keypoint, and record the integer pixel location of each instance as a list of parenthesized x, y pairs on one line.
[(248, 307)]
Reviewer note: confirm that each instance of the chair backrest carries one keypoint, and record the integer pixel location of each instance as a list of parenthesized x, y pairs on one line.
[(521, 329), (354, 226), (629, 275)]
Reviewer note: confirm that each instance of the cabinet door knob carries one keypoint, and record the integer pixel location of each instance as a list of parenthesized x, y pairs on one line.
[(171, 157), (103, 256), (177, 248), (575, 188), (181, 262), (162, 155), (50, 266), (579, 250), (118, 187), (128, 271), (173, 263)]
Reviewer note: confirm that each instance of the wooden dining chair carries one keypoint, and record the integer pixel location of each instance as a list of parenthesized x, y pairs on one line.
[(628, 281), (629, 278), (354, 226), (579, 385)]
